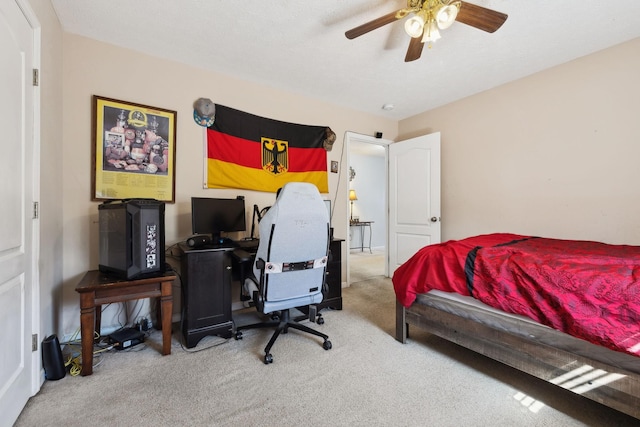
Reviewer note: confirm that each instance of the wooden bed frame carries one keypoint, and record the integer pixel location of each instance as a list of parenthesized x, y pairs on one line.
[(529, 347)]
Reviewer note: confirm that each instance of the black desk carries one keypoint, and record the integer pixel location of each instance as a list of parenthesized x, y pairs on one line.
[(206, 293), (332, 297), (249, 245)]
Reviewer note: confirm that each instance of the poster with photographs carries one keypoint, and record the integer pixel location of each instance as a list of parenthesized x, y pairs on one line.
[(134, 151)]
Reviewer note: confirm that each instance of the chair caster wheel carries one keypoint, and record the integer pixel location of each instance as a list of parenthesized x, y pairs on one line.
[(326, 345), (268, 358), (320, 320), (238, 336)]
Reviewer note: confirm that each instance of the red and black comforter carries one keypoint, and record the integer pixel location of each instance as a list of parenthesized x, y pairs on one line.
[(587, 289)]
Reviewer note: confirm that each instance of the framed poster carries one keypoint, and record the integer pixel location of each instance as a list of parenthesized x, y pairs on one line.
[(134, 151)]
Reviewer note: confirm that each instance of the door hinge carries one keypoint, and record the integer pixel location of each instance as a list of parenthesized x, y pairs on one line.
[(36, 77), (34, 342), (35, 210)]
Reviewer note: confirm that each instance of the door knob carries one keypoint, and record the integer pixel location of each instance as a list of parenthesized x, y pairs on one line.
[(434, 219)]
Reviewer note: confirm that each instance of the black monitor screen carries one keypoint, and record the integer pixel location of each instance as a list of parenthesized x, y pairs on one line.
[(216, 216)]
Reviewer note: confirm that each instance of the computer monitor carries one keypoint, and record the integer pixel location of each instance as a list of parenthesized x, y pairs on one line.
[(217, 216)]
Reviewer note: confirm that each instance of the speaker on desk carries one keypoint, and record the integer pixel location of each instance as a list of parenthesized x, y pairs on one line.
[(198, 241)]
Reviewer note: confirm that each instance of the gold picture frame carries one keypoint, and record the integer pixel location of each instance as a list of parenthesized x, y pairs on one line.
[(134, 151)]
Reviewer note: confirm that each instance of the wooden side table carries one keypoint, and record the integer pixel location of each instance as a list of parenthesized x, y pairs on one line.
[(97, 288)]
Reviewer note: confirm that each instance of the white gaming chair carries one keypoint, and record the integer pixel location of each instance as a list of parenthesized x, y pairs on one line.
[(291, 260)]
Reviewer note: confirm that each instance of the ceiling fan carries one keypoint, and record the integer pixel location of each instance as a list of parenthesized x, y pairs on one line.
[(430, 16)]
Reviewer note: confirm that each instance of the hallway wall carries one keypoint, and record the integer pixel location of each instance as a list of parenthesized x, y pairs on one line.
[(370, 185)]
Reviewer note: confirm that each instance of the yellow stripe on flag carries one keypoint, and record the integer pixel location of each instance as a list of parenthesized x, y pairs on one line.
[(230, 175)]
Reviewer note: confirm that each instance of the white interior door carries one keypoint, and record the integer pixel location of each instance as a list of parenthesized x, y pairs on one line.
[(17, 260), (414, 197)]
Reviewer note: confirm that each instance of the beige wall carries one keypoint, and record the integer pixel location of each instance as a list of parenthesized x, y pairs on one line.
[(554, 154), (94, 68)]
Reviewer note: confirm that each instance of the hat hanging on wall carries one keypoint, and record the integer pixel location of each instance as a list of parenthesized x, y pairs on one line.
[(204, 112), (330, 138)]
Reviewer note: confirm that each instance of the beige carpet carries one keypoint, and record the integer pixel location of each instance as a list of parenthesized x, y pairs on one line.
[(365, 265), (367, 379)]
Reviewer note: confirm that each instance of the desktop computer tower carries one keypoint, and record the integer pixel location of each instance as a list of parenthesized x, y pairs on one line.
[(132, 238)]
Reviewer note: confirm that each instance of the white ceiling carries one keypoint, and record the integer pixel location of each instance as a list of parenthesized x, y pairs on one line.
[(299, 45)]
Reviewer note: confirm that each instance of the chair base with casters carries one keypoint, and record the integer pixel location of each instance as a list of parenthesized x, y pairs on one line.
[(282, 322)]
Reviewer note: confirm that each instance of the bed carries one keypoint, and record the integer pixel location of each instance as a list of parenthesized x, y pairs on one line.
[(565, 311)]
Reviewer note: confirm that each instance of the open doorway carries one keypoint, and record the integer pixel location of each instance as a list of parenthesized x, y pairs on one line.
[(367, 197)]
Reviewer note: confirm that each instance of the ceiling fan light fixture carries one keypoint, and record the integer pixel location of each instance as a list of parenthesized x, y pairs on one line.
[(424, 19), (447, 14), (414, 25)]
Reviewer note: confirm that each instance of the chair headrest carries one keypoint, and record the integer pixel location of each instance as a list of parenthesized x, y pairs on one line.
[(296, 199)]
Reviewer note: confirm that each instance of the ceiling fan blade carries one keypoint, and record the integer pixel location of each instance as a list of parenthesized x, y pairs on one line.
[(415, 49), (480, 17), (372, 25)]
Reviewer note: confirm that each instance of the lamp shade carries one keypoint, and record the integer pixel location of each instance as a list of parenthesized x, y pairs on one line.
[(415, 25), (431, 32), (352, 195), (447, 15)]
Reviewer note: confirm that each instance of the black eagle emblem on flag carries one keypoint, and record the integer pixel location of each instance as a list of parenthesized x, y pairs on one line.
[(275, 156)]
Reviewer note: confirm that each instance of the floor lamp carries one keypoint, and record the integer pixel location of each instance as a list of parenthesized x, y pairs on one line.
[(352, 197)]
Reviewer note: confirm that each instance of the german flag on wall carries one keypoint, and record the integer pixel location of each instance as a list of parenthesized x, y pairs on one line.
[(255, 153)]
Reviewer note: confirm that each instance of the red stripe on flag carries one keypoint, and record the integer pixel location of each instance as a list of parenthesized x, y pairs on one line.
[(228, 148), (231, 149), (307, 160)]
